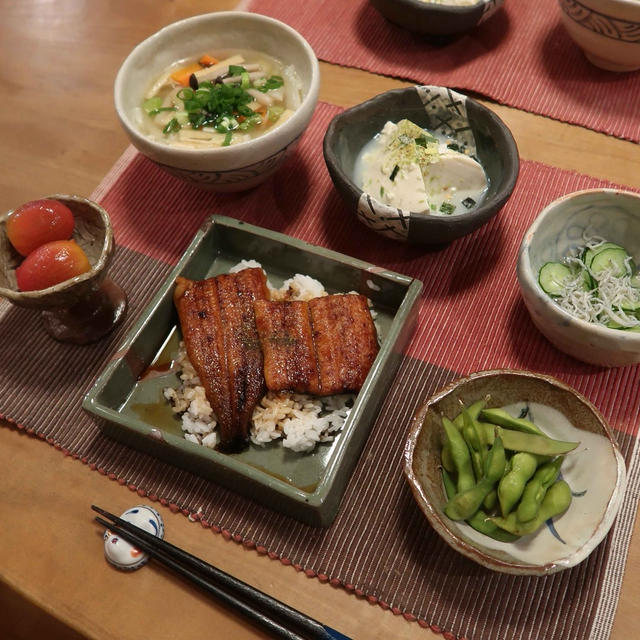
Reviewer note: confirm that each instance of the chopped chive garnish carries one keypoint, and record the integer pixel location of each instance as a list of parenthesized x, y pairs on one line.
[(227, 139), (152, 105), (172, 126), (274, 112), (394, 173), (273, 82), (447, 207), (469, 202)]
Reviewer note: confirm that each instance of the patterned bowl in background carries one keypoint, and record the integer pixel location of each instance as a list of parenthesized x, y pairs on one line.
[(608, 31)]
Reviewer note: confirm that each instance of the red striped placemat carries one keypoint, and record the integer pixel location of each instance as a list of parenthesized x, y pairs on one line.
[(521, 56), (380, 545)]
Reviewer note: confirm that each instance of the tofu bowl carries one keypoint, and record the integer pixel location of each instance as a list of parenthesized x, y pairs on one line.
[(424, 164), (218, 100), (583, 300)]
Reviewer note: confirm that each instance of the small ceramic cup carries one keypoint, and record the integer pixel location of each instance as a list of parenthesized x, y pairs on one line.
[(82, 309)]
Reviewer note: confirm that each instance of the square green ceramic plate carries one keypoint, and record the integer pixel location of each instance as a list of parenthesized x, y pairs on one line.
[(128, 393)]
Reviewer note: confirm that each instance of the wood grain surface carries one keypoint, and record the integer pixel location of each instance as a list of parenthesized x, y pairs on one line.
[(61, 135)]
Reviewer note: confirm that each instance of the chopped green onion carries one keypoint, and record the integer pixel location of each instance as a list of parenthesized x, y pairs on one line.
[(394, 173), (227, 139), (152, 105), (469, 202), (447, 207), (186, 94), (421, 141), (236, 70), (381, 191), (172, 126), (273, 82), (245, 82), (274, 112), (453, 146)]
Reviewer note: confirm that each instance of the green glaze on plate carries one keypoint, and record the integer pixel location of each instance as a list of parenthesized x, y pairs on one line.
[(128, 394)]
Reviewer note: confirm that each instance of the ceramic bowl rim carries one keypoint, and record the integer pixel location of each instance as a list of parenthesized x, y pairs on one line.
[(287, 131), (473, 552), (525, 270), (631, 4), (487, 208), (107, 243), (431, 7)]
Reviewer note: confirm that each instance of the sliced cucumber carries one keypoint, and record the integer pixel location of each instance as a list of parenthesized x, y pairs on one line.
[(614, 259), (629, 306), (589, 254), (552, 277)]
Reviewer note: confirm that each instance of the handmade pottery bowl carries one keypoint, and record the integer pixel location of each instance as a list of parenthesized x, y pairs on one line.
[(81, 309), (559, 230), (238, 166), (563, 414), (475, 129), (607, 31), (436, 19)]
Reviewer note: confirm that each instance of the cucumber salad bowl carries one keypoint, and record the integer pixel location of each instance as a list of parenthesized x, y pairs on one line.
[(578, 274)]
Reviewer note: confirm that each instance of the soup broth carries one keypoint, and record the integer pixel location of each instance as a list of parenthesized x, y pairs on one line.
[(219, 100)]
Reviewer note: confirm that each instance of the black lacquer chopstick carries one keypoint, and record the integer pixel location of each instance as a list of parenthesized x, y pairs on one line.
[(272, 614)]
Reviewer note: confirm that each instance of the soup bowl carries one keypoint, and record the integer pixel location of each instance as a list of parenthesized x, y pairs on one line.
[(436, 19), (473, 127), (560, 229), (223, 168)]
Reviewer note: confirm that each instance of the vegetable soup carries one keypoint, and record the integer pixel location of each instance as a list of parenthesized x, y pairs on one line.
[(219, 100)]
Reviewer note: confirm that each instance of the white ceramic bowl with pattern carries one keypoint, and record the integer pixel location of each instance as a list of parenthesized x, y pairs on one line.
[(239, 166), (608, 31), (560, 228)]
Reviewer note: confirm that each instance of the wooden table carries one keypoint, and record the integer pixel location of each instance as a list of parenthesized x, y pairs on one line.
[(60, 134)]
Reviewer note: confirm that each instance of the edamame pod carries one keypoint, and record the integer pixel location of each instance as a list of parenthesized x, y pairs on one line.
[(503, 419), (464, 504), (474, 411), (556, 501), (460, 455), (536, 489), (510, 488), (518, 441)]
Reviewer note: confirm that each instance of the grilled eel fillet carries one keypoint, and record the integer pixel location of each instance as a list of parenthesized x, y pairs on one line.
[(324, 346), (218, 326)]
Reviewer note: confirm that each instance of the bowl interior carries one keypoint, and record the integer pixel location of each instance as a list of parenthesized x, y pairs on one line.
[(562, 413), (563, 226), (92, 232), (437, 109)]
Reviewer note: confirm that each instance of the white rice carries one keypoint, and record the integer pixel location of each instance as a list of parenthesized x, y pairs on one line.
[(299, 421)]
